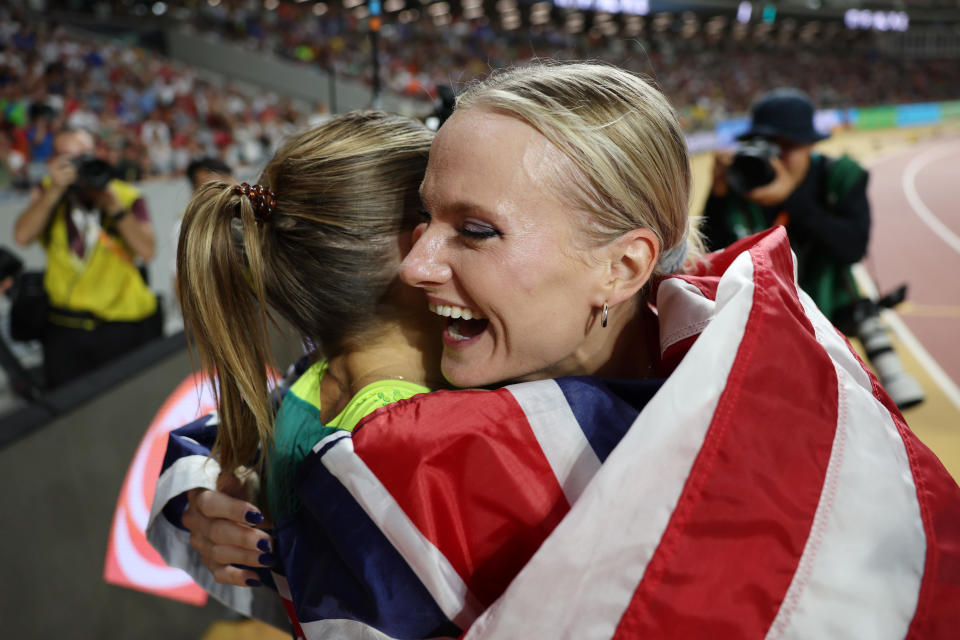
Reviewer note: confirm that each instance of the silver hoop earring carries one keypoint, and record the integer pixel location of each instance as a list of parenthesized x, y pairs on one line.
[(603, 316)]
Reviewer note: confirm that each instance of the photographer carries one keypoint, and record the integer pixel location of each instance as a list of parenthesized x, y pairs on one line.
[(94, 229), (774, 177)]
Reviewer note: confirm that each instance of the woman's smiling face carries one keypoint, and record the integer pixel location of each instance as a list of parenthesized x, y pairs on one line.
[(499, 254)]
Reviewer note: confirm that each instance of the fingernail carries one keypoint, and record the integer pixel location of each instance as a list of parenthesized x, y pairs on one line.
[(263, 544), (251, 582), (254, 517), (266, 558)]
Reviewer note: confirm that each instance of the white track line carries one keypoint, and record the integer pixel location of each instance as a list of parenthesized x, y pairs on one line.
[(913, 197), (906, 337)]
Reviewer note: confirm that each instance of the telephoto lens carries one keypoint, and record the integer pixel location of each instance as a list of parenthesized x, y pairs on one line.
[(904, 390)]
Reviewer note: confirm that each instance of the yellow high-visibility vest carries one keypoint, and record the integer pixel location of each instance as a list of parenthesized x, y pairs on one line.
[(106, 282)]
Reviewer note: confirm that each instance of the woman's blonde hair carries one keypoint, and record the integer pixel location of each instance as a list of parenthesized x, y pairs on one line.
[(324, 259), (630, 167)]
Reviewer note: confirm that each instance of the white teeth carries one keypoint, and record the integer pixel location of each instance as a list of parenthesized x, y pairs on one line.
[(452, 332), (450, 311)]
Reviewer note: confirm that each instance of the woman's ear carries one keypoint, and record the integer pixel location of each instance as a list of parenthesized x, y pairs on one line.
[(631, 258)]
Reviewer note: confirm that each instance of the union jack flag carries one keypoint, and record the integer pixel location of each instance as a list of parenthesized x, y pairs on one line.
[(767, 488)]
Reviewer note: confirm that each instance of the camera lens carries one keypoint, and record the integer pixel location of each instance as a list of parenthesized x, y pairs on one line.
[(751, 166)]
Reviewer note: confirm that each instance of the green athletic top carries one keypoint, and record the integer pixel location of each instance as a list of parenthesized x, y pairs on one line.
[(299, 428)]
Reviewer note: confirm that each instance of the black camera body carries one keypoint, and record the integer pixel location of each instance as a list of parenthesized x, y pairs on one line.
[(751, 166), (92, 172)]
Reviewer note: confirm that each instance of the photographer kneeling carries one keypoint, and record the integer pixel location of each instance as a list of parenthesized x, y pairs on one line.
[(775, 177), (95, 229)]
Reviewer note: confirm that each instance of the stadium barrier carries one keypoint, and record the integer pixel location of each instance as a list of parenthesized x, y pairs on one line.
[(857, 119)]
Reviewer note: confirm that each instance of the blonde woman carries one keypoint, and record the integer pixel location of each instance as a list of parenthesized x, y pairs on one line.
[(713, 490)]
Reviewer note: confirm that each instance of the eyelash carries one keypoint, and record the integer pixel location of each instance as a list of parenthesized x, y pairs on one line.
[(472, 233), (484, 233)]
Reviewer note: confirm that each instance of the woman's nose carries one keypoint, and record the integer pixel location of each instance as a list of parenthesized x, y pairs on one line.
[(425, 265)]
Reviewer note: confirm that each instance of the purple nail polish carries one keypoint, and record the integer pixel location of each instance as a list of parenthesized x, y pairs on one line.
[(266, 558), (264, 545), (252, 582), (254, 517)]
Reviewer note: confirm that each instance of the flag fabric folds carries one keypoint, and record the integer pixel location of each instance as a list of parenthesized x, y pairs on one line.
[(767, 488)]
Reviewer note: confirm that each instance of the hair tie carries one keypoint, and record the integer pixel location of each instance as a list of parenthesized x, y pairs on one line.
[(672, 260), (263, 200)]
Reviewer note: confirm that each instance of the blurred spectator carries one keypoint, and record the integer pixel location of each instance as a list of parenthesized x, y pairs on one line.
[(94, 229), (203, 170), (127, 162), (12, 163), (39, 139)]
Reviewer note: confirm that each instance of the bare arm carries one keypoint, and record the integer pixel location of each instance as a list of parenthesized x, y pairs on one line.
[(31, 223)]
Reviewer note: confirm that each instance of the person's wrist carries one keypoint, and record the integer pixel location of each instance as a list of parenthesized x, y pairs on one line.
[(119, 215)]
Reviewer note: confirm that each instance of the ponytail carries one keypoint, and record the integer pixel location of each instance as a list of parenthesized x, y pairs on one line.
[(220, 281)]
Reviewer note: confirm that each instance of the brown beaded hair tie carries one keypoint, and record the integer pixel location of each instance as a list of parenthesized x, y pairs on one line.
[(263, 200)]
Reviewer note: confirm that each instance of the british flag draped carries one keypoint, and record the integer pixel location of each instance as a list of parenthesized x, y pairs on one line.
[(767, 488)]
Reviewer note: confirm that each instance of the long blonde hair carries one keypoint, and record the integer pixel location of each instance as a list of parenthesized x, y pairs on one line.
[(629, 166), (323, 260)]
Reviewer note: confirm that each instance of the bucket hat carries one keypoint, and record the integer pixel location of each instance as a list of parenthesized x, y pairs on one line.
[(785, 113)]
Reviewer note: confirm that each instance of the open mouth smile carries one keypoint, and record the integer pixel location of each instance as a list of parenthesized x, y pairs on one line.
[(463, 325)]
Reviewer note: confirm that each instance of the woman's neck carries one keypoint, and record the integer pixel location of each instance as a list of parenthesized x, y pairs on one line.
[(402, 350), (624, 349)]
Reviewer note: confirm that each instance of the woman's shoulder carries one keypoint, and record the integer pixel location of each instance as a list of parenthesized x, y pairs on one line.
[(374, 396)]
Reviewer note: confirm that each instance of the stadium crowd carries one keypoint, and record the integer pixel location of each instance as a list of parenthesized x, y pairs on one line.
[(710, 72), (152, 115)]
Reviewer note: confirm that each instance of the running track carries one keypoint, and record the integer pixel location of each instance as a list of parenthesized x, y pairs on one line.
[(916, 239)]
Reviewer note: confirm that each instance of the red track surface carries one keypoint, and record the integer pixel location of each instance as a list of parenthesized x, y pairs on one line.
[(905, 249)]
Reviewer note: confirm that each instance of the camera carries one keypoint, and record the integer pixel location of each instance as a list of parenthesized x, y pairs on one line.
[(442, 107), (92, 172), (751, 166)]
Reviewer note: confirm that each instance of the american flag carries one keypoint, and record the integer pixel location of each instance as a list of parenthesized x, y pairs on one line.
[(768, 488)]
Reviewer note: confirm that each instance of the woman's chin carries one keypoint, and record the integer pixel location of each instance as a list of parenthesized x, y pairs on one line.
[(465, 375)]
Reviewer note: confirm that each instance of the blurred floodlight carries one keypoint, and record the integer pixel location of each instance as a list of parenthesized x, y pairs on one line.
[(361, 12), (159, 8), (629, 7), (350, 4), (393, 5), (878, 20), (213, 3), (474, 12), (320, 8), (270, 5), (635, 7), (744, 11), (607, 6)]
